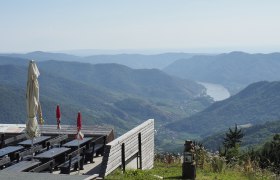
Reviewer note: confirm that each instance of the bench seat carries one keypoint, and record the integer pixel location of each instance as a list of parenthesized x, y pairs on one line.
[(96, 147), (71, 163), (46, 166)]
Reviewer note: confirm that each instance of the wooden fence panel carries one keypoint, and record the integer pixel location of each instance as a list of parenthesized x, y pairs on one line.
[(113, 150)]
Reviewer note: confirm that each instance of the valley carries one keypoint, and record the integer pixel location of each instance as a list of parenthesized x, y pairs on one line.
[(116, 95)]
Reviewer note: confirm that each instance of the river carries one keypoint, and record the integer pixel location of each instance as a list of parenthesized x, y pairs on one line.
[(217, 91)]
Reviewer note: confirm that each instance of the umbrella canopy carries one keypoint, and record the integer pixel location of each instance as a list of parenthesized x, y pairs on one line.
[(58, 116), (79, 135), (40, 114), (79, 121), (32, 101)]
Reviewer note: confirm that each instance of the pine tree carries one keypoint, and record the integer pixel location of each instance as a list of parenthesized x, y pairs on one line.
[(232, 142), (233, 138)]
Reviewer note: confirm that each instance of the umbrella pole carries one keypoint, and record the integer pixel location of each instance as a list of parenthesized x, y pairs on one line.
[(58, 126), (79, 156), (32, 147)]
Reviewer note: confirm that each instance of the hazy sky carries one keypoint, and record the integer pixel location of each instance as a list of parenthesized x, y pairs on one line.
[(191, 25)]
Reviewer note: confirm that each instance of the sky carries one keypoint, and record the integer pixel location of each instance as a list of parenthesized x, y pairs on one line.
[(168, 25)]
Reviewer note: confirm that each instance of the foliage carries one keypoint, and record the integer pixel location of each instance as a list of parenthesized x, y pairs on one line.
[(231, 144), (254, 136), (233, 138), (269, 155), (218, 164)]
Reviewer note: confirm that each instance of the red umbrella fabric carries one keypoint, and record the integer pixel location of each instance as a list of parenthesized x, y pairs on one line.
[(79, 127), (58, 116), (79, 121)]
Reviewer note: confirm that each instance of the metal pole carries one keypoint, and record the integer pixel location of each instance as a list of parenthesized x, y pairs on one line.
[(32, 147), (59, 135), (78, 155)]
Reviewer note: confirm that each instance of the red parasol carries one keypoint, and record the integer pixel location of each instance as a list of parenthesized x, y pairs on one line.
[(79, 127), (58, 116)]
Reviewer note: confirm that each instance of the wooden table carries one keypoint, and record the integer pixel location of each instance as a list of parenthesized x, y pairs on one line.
[(23, 166), (37, 140), (9, 150), (58, 154), (74, 144)]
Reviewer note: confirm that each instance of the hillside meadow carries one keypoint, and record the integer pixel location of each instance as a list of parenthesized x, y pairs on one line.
[(174, 171)]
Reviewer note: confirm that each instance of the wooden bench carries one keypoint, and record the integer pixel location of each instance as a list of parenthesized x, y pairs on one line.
[(11, 139), (28, 152), (22, 166), (56, 140), (74, 158), (96, 147), (46, 166)]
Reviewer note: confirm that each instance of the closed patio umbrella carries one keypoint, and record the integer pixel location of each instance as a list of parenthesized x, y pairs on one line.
[(79, 136), (58, 117), (40, 114), (32, 102)]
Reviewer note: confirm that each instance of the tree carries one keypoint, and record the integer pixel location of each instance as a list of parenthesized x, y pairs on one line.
[(270, 154), (232, 142)]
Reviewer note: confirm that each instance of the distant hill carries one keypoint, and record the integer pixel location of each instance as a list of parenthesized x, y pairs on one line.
[(137, 61), (234, 70), (149, 83), (253, 136), (44, 56), (258, 103), (4, 60)]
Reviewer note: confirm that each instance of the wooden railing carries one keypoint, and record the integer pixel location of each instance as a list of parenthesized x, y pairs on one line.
[(137, 143)]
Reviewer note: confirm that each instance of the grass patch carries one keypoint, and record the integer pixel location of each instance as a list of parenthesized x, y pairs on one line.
[(174, 171)]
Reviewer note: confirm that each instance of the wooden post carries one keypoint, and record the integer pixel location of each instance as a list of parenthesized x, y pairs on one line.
[(139, 151), (123, 157)]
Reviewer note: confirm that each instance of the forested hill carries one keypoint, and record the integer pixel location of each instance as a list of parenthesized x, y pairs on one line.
[(258, 103), (150, 83), (105, 94), (253, 136), (234, 70)]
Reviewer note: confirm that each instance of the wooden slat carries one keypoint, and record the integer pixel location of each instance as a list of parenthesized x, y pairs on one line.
[(14, 139), (130, 138), (130, 133), (47, 165)]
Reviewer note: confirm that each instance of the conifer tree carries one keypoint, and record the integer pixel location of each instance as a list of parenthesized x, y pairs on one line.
[(232, 142)]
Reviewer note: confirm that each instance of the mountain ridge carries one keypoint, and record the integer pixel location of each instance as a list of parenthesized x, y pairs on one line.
[(136, 61), (234, 70)]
